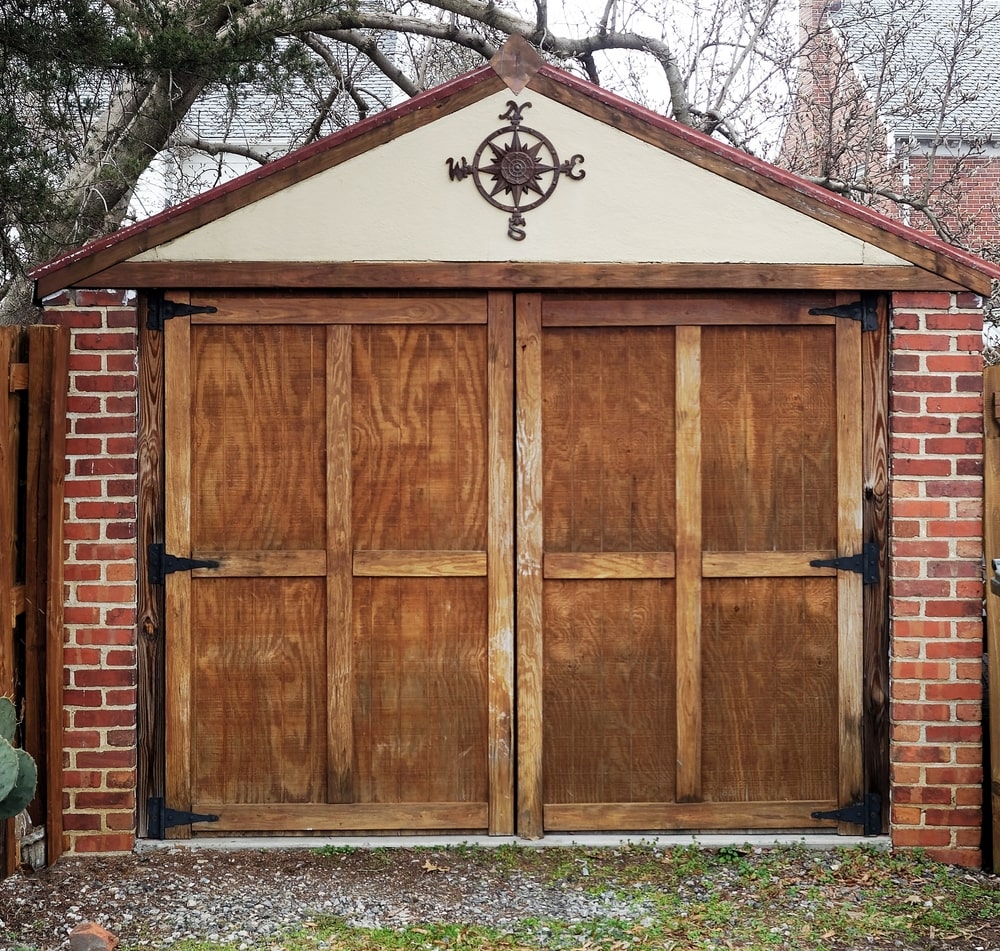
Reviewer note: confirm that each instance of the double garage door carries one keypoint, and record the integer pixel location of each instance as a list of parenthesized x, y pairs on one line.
[(512, 563)]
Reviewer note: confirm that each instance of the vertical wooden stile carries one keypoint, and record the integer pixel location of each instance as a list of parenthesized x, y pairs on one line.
[(849, 531), (339, 581), (528, 350), (688, 562), (875, 434), (991, 531), (150, 688), (177, 518), (500, 542)]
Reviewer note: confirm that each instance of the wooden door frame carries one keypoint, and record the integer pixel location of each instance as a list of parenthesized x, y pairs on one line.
[(151, 779)]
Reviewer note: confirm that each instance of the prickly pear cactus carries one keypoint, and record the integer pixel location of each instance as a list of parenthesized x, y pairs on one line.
[(18, 774)]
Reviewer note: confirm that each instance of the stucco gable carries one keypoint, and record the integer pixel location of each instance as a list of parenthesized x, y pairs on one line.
[(652, 191)]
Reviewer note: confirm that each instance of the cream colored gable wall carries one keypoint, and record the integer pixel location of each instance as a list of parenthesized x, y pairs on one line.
[(636, 204)]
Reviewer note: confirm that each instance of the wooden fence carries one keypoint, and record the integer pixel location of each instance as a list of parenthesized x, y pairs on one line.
[(33, 360)]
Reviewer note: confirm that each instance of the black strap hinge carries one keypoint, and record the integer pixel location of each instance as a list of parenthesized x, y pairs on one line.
[(160, 817), (160, 564), (864, 564), (865, 310), (159, 309), (867, 813)]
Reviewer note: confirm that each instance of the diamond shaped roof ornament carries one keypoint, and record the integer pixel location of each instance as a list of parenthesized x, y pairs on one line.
[(516, 62)]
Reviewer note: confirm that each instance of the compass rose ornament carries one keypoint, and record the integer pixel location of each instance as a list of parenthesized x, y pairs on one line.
[(515, 169)]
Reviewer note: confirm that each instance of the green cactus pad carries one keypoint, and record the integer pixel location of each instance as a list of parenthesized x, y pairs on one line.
[(9, 767), (8, 719), (24, 789)]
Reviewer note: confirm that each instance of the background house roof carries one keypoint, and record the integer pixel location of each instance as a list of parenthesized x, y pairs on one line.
[(905, 52)]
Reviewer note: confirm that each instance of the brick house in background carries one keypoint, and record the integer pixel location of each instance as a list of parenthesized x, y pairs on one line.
[(904, 96), (603, 275)]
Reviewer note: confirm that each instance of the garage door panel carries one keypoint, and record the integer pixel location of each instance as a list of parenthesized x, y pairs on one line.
[(608, 430), (255, 391), (769, 452), (420, 723), (258, 690), (770, 700), (419, 424), (608, 691)]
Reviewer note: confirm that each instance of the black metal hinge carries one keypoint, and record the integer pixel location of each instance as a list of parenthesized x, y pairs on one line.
[(159, 818), (159, 309), (160, 564), (865, 564), (867, 813), (865, 310)]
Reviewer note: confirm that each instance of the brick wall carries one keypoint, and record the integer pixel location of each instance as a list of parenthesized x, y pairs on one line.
[(100, 691), (936, 586)]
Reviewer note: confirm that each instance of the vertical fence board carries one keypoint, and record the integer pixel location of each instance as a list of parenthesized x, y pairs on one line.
[(8, 526), (32, 479)]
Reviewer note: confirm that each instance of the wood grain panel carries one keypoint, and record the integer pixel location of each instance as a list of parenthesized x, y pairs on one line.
[(259, 690), (765, 564), (421, 717), (598, 564), (608, 691), (259, 410), (608, 428), (261, 564), (326, 310), (617, 816), (512, 275), (770, 689), (420, 442), (704, 309), (320, 817), (419, 564), (759, 495)]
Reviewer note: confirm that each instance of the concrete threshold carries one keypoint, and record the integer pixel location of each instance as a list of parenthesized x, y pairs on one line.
[(823, 842)]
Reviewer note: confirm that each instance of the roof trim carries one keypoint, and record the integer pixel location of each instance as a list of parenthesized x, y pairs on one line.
[(923, 250)]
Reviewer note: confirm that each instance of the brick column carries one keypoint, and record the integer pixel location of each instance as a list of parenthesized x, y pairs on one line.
[(936, 587), (100, 691)]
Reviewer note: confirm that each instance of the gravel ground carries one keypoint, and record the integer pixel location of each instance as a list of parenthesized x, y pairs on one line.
[(153, 899), (159, 897)]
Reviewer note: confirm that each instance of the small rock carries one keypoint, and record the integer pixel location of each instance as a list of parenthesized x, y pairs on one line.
[(90, 936)]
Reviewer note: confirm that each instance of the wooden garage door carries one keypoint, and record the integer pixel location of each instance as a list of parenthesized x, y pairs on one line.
[(348, 664), (681, 663), (350, 464)]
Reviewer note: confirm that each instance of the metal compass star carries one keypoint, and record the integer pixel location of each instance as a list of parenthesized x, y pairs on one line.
[(524, 166)]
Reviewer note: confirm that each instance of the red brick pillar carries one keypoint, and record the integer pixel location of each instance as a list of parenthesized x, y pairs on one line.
[(936, 571), (100, 691)]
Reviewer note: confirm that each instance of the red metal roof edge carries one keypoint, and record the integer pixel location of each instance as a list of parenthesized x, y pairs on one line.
[(429, 98), (778, 175)]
